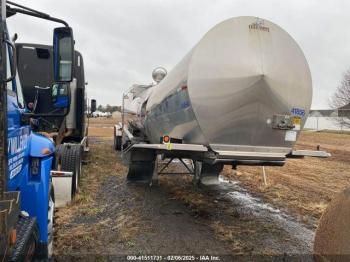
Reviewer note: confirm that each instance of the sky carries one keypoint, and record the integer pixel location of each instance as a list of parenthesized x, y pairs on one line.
[(122, 41)]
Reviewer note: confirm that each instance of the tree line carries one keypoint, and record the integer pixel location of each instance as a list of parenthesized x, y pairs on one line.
[(108, 108)]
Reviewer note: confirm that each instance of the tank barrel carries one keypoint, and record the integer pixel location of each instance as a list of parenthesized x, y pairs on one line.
[(241, 96), (243, 91)]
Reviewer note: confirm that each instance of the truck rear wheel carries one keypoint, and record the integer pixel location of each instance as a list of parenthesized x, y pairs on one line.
[(71, 158)]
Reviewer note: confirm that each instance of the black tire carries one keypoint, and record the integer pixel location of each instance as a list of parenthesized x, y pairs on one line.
[(117, 143), (71, 159), (27, 240)]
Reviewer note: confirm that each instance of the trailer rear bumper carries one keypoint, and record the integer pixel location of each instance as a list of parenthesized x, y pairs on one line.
[(210, 156), (227, 154), (62, 183)]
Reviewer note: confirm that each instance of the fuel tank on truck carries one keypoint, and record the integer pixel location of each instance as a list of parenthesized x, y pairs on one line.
[(244, 89)]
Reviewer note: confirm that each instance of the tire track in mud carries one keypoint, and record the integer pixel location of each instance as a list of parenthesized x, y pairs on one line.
[(250, 205), (251, 226), (111, 219)]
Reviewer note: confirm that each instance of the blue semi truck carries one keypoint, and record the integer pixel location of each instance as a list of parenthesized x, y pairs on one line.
[(29, 160)]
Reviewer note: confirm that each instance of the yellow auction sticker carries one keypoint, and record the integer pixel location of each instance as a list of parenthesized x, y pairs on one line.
[(297, 121), (169, 146)]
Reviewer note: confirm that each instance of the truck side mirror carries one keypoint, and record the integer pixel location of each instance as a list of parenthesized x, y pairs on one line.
[(60, 96), (93, 105), (63, 54)]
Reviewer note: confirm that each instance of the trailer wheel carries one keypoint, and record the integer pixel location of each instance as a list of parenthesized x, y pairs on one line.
[(27, 240), (117, 143), (71, 161)]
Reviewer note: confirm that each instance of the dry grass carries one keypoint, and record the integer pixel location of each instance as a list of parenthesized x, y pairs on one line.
[(101, 127), (85, 226), (84, 205), (303, 186)]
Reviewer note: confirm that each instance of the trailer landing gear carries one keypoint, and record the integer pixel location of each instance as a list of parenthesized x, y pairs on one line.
[(148, 172), (207, 174)]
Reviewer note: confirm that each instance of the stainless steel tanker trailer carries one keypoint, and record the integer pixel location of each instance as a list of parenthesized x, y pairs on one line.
[(240, 97)]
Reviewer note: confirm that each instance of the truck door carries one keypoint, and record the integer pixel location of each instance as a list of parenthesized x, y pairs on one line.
[(18, 132)]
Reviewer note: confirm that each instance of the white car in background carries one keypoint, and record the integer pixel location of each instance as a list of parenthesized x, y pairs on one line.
[(101, 114)]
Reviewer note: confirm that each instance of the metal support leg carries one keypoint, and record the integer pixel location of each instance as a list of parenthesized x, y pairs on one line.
[(264, 175), (166, 165), (154, 180), (210, 174), (197, 173), (190, 171)]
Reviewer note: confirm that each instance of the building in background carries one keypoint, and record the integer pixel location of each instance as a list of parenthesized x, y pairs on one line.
[(329, 119)]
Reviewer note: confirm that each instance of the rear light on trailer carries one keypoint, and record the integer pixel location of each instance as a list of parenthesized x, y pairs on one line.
[(166, 139)]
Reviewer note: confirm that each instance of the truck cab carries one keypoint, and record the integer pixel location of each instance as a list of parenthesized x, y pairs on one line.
[(28, 158)]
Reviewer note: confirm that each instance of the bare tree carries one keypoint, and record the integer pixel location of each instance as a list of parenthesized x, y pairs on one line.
[(341, 101)]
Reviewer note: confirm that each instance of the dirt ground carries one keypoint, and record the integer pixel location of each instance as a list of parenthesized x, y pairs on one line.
[(242, 217)]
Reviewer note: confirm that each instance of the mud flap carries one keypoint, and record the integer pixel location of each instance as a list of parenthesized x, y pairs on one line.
[(332, 239), (140, 172), (141, 166), (62, 183)]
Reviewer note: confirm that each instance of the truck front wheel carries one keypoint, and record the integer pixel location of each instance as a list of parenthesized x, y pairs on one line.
[(27, 240)]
